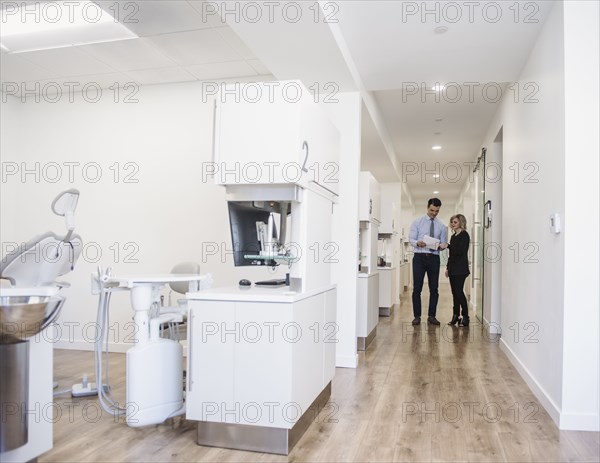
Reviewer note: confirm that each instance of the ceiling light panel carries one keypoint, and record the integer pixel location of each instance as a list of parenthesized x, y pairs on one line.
[(46, 25)]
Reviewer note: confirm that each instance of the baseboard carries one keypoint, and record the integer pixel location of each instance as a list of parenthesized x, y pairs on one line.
[(493, 329), (535, 387), (346, 361)]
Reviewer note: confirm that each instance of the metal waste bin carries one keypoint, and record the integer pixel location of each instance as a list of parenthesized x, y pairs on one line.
[(14, 385)]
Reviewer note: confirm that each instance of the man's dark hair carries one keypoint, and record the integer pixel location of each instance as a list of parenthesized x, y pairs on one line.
[(435, 201)]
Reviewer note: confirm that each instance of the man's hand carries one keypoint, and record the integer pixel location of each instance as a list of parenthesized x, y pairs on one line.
[(443, 246), (421, 244)]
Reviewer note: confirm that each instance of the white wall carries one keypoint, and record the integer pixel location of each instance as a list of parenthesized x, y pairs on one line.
[(580, 408), (544, 302), (347, 117), (144, 227), (532, 293), (10, 120)]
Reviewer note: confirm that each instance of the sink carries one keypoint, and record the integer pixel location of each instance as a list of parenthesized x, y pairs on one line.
[(24, 316)]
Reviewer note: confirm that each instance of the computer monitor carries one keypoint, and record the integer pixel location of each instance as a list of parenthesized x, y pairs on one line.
[(242, 220)]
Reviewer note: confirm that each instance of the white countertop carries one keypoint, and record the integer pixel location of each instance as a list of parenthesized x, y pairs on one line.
[(386, 268), (366, 275), (132, 280), (254, 294)]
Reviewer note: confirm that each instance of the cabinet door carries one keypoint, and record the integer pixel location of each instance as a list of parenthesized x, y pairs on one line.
[(385, 289), (263, 363), (373, 315), (330, 336), (209, 373), (320, 156), (365, 203), (362, 307), (375, 193), (257, 142)]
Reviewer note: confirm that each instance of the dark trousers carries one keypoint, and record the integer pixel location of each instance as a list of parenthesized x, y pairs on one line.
[(425, 264), (457, 283)]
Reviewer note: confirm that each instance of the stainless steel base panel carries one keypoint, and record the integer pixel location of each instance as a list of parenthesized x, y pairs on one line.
[(260, 438), (386, 311), (14, 394), (363, 343)]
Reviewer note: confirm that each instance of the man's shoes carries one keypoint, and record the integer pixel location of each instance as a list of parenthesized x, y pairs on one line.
[(433, 320), (416, 321)]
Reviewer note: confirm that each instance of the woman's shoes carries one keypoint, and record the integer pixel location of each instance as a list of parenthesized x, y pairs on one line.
[(454, 320), (464, 322)]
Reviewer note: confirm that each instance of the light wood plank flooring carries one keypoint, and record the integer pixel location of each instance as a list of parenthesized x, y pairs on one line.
[(425, 394)]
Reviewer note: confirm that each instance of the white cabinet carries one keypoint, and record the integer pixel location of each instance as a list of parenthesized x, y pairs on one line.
[(404, 276), (388, 290), (255, 353), (368, 309), (273, 133), (388, 218), (369, 208)]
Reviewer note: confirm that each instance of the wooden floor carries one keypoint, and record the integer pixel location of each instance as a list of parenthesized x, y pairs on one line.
[(425, 394)]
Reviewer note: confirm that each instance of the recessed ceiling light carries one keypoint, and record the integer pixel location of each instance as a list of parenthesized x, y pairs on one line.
[(435, 192), (58, 24), (441, 30), (436, 147), (436, 175), (438, 87)]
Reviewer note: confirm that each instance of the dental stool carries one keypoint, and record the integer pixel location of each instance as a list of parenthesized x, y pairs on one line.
[(180, 307)]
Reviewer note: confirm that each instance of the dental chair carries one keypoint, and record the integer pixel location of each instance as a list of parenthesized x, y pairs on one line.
[(28, 306)]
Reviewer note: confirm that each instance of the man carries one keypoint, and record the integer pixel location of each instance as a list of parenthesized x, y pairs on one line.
[(426, 260)]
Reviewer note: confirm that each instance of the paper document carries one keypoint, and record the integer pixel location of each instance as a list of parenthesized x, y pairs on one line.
[(431, 243)]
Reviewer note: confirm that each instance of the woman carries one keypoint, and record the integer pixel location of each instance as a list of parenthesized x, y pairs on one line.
[(457, 268)]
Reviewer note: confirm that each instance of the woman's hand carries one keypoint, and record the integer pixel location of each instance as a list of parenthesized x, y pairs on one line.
[(446, 273)]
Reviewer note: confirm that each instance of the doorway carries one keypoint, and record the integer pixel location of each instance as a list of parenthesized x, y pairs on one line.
[(477, 248)]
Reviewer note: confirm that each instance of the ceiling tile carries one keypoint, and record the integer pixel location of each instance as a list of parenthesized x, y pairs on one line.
[(195, 47), (67, 61), (129, 55), (160, 76), (222, 70), (209, 12), (16, 69), (153, 17), (258, 66), (235, 42)]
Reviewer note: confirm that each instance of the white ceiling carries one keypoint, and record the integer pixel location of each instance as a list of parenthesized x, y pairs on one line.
[(177, 43), (388, 50)]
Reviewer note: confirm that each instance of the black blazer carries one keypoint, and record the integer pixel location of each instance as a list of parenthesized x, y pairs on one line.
[(458, 257)]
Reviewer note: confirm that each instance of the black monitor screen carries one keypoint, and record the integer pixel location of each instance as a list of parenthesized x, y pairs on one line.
[(242, 219)]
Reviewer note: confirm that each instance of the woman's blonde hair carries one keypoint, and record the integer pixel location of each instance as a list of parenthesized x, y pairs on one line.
[(461, 220)]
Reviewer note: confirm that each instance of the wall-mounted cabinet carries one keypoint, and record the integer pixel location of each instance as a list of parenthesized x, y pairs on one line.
[(369, 208), (266, 140), (388, 217)]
